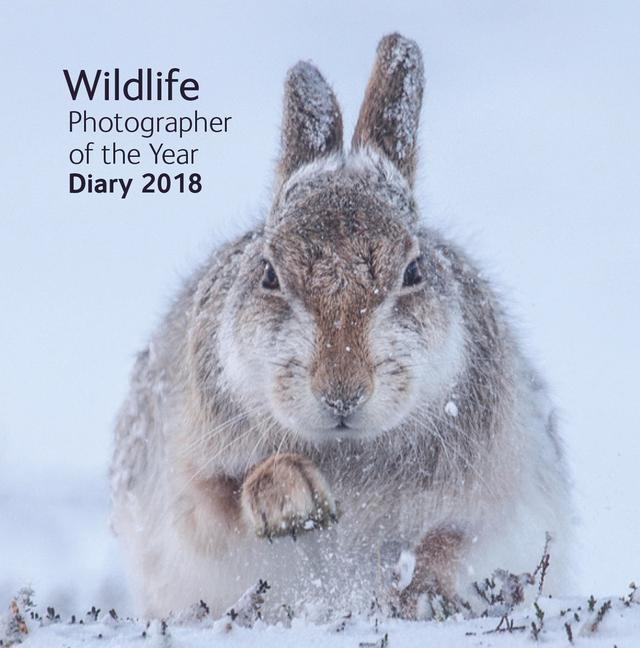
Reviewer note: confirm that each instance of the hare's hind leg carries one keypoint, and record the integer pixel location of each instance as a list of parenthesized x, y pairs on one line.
[(437, 562)]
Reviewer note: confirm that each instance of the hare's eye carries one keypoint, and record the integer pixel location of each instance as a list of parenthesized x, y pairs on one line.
[(269, 277), (412, 275)]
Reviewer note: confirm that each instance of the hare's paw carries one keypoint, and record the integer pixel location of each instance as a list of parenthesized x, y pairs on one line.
[(287, 495)]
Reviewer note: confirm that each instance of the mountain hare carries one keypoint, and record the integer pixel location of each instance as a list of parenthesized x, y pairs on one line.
[(336, 388)]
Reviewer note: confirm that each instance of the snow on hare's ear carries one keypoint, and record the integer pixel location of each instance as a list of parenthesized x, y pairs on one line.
[(390, 112), (311, 122)]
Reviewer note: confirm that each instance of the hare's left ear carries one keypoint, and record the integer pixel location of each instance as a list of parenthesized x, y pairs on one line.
[(390, 112), (311, 121)]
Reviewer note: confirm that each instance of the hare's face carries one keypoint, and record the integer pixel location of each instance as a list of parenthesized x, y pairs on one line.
[(349, 333), (343, 324)]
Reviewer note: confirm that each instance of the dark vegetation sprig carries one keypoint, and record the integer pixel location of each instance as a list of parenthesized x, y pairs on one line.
[(569, 631), (505, 625), (631, 596), (536, 628), (93, 613), (383, 642), (604, 608), (540, 572)]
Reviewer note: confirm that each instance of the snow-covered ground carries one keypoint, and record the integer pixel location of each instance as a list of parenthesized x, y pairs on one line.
[(589, 622), (55, 537), (530, 156)]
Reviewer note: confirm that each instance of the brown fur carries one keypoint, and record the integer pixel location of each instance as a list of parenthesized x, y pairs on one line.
[(380, 127), (273, 490), (216, 498), (437, 561), (341, 281), (308, 134)]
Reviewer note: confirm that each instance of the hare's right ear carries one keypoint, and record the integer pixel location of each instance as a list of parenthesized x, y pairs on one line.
[(311, 122), (390, 112)]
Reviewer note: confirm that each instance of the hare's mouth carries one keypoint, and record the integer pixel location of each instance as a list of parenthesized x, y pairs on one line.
[(343, 428)]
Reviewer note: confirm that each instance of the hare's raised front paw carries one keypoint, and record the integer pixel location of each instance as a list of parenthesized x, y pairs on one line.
[(286, 495)]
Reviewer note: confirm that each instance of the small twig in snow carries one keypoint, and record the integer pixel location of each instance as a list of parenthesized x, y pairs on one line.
[(569, 631), (543, 565), (382, 643), (604, 608)]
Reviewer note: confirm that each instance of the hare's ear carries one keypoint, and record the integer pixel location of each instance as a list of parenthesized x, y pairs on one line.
[(311, 122), (390, 112)]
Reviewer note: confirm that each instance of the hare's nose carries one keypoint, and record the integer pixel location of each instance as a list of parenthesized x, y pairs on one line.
[(343, 404)]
